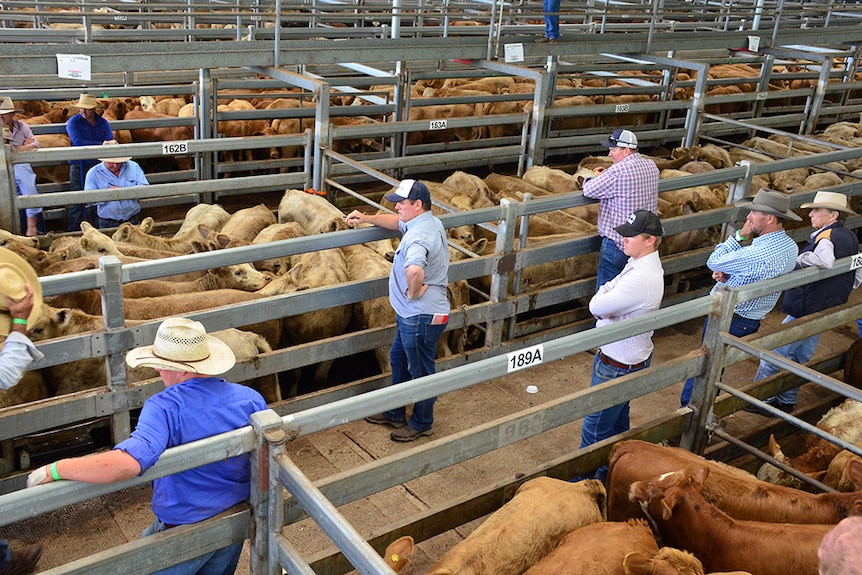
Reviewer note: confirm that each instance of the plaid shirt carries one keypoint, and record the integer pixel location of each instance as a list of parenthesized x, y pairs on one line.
[(627, 186), (768, 256)]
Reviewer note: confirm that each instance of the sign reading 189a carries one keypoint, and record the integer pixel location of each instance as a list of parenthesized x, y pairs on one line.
[(527, 357), (174, 148)]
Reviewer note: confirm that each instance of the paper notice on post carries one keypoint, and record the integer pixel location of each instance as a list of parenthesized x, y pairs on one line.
[(754, 43), (514, 53), (73, 66)]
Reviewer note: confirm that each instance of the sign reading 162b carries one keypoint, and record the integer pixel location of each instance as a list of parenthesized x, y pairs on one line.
[(174, 148), (527, 357)]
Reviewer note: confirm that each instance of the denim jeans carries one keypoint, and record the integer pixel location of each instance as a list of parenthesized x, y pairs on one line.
[(77, 212), (611, 420), (612, 260), (220, 562), (739, 327), (799, 351), (5, 554), (412, 356), (552, 18), (109, 223)]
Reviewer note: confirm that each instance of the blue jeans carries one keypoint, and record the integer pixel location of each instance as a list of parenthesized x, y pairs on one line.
[(77, 212), (612, 260), (220, 562), (739, 327), (609, 421), (5, 554), (799, 351), (109, 223), (552, 18), (412, 356)]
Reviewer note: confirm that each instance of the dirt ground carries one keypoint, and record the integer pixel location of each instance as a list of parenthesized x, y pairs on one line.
[(81, 530)]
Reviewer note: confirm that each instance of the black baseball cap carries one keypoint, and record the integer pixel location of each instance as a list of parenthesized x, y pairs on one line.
[(641, 222)]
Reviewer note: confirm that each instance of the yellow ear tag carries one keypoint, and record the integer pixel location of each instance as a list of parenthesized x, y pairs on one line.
[(395, 557)]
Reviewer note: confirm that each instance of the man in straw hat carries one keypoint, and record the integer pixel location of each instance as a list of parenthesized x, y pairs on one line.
[(830, 241), (20, 303), (770, 253), (116, 172), (20, 138), (194, 404), (86, 128)]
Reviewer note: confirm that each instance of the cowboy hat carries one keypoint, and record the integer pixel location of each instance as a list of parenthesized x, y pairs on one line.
[(769, 202), (7, 106), (830, 201), (88, 101), (182, 344), (117, 160), (15, 274)]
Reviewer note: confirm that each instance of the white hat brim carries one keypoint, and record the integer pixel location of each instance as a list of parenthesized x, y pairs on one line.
[(20, 266), (220, 360)]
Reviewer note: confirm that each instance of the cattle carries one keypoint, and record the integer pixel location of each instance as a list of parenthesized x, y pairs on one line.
[(8, 238), (555, 181), (313, 213), (363, 263), (732, 490), (844, 472), (131, 234), (668, 561), (579, 122), (597, 549), (441, 112), (91, 243), (471, 186), (32, 387), (161, 133), (841, 421), (241, 276), (525, 529), (687, 521), (245, 224), (213, 216), (56, 174), (274, 233)]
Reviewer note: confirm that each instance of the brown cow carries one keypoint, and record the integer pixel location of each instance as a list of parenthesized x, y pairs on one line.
[(241, 276), (732, 490), (245, 224), (525, 529), (687, 521), (597, 549)]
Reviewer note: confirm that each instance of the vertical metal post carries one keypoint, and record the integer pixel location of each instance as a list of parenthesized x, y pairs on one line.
[(322, 135), (396, 18), (816, 102), (505, 264), (275, 59), (538, 129), (695, 113), (269, 435), (113, 317), (205, 90), (703, 395), (8, 192)]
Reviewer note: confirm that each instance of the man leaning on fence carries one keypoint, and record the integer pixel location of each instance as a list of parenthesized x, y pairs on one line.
[(736, 262), (193, 405), (830, 241)]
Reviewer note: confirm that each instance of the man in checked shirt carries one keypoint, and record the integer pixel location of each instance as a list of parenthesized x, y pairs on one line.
[(629, 185), (771, 253)]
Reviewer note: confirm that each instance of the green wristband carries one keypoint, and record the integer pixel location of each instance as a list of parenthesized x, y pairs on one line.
[(739, 237), (19, 321), (54, 474)]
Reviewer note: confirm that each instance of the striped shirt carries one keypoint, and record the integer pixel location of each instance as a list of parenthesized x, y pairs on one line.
[(627, 186), (768, 256)]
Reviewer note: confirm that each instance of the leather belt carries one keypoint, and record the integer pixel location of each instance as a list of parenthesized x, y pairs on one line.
[(612, 362), (169, 526)]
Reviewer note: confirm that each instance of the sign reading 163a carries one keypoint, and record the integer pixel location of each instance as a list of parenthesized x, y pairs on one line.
[(438, 125), (174, 148), (526, 357)]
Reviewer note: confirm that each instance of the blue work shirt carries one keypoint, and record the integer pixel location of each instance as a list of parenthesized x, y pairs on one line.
[(423, 244), (191, 410), (81, 133), (100, 178)]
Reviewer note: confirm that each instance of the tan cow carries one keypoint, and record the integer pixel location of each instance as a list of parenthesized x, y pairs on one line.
[(312, 212), (131, 234), (668, 561), (213, 216), (275, 233), (527, 528), (240, 276), (597, 549), (245, 224)]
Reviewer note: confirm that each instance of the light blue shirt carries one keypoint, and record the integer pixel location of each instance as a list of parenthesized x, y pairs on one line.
[(18, 352), (423, 244), (100, 178), (768, 256)]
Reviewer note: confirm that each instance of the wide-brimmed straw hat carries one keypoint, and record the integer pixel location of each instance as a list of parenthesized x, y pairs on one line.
[(182, 344), (769, 202), (88, 101), (115, 160), (7, 106), (15, 274), (830, 201)]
